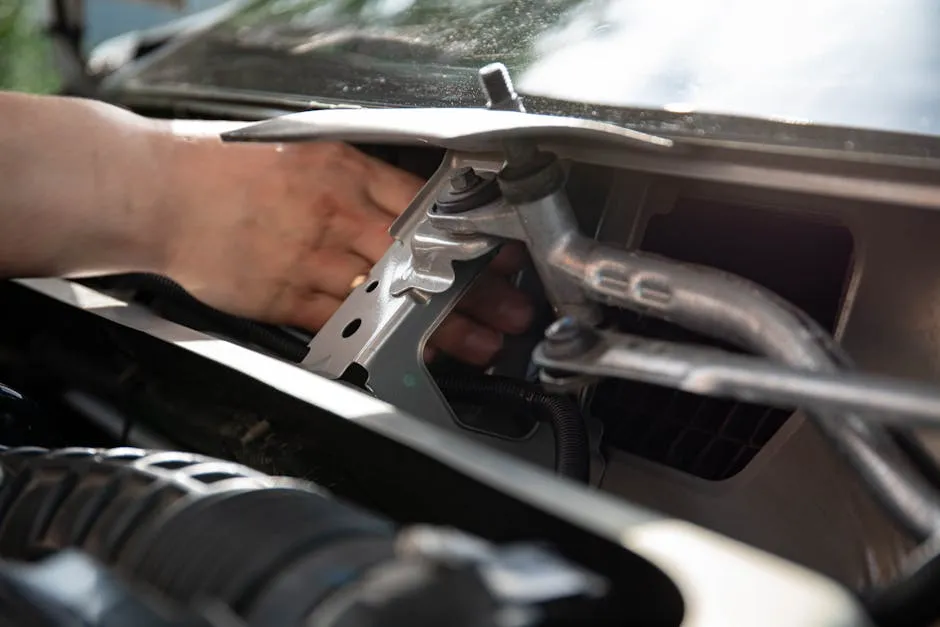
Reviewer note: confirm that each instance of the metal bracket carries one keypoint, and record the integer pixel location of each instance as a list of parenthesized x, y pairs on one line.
[(416, 276), (385, 323)]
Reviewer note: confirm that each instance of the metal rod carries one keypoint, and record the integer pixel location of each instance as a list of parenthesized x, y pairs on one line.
[(712, 372), (740, 311), (724, 306)]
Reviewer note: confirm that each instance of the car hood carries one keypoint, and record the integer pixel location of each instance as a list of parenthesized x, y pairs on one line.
[(715, 67)]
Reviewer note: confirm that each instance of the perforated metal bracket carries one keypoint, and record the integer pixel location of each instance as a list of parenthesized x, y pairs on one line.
[(416, 276), (385, 323)]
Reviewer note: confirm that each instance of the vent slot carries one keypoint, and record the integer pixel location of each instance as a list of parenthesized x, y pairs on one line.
[(803, 258)]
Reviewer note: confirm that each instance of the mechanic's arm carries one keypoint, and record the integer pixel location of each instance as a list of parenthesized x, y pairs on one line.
[(277, 233), (79, 186)]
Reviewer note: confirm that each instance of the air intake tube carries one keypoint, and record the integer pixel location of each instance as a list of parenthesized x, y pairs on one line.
[(274, 551)]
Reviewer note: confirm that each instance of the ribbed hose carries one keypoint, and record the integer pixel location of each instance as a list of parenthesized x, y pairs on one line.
[(190, 527), (572, 454), (279, 552), (268, 337)]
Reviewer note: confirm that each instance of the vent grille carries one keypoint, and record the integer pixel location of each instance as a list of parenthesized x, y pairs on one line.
[(709, 438), (804, 260)]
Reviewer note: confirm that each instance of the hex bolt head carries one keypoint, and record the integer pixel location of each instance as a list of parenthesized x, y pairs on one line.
[(464, 179)]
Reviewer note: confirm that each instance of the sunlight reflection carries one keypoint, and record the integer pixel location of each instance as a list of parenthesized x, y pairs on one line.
[(825, 60), (334, 397)]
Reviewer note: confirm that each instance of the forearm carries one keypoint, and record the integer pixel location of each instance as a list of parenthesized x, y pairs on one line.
[(84, 188)]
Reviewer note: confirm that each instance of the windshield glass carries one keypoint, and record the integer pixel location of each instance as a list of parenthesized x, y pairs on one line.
[(869, 64)]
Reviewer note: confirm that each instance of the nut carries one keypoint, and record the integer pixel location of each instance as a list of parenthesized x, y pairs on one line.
[(464, 179)]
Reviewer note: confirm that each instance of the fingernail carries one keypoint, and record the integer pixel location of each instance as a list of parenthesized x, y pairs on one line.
[(516, 314), (484, 341)]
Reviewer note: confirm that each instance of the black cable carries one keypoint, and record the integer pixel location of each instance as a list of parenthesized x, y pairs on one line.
[(267, 337), (572, 454)]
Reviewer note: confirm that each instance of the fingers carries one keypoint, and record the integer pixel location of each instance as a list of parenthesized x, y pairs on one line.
[(390, 188), (310, 310), (511, 258), (356, 224), (475, 333), (494, 302), (371, 241), (467, 340), (331, 272)]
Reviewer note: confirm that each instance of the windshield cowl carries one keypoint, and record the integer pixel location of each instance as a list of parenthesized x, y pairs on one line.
[(727, 68)]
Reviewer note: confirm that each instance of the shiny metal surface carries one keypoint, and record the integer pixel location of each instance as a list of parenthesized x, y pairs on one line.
[(713, 372), (385, 323), (736, 310), (538, 224), (779, 593), (796, 498), (913, 181), (519, 573), (417, 269), (430, 266), (890, 330), (466, 129), (542, 221), (705, 300), (417, 265), (746, 314)]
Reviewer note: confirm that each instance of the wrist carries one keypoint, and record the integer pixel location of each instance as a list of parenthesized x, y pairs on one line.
[(205, 178), (151, 200), (107, 215), (178, 202)]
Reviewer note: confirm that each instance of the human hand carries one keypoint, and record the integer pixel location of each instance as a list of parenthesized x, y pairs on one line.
[(279, 234)]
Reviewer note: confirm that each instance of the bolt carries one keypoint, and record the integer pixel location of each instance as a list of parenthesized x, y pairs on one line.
[(464, 179), (563, 329), (567, 338), (496, 84)]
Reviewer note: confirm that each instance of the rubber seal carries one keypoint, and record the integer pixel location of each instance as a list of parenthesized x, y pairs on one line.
[(483, 193), (533, 181)]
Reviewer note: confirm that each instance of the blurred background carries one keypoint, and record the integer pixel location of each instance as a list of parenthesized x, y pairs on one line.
[(26, 61), (26, 55)]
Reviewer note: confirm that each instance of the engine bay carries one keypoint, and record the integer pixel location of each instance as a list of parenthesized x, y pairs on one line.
[(659, 283)]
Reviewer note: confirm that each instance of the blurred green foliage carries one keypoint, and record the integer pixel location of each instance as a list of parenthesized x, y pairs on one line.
[(26, 61)]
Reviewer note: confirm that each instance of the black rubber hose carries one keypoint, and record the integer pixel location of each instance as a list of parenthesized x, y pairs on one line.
[(572, 453), (267, 337), (203, 532), (190, 527)]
